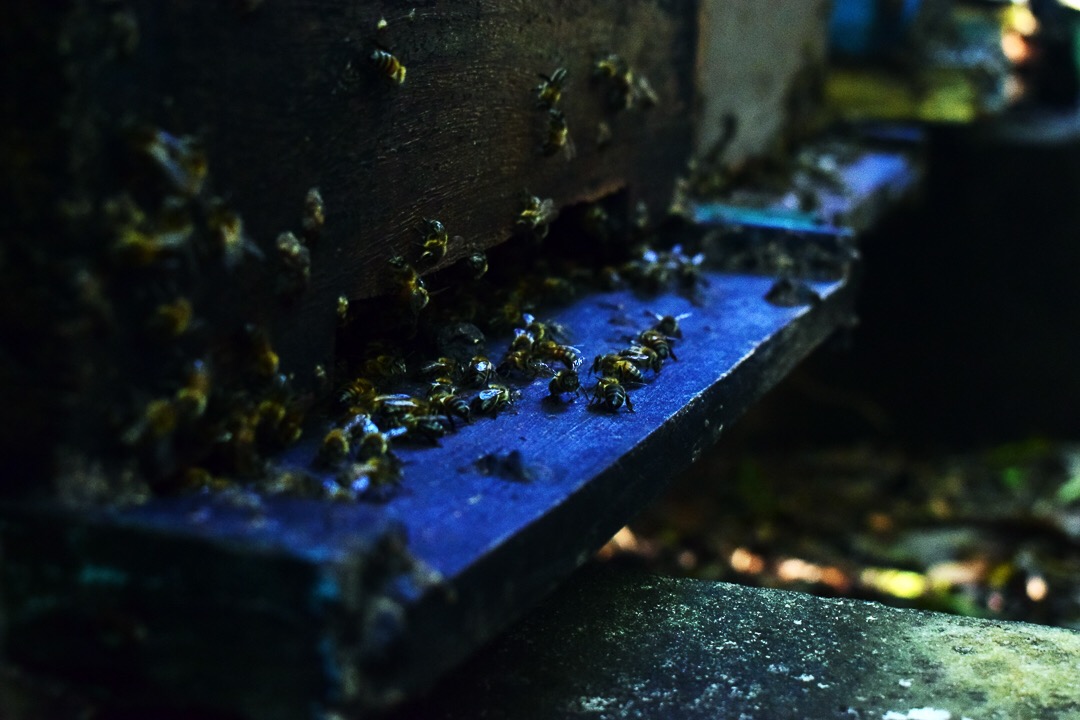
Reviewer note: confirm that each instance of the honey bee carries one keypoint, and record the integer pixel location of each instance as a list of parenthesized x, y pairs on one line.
[(444, 366), (645, 358), (277, 424), (427, 427), (369, 440), (269, 414), (614, 70), (524, 363), (173, 319), (450, 404), (619, 368), (476, 264), (558, 135), (410, 285), (181, 161), (390, 67), (441, 386), (545, 330), (264, 360), (565, 381), (227, 228), (296, 259), (193, 397), (358, 393), (238, 442), (688, 271), (610, 395), (158, 419), (493, 399), (478, 372), (139, 241), (291, 426), (367, 479), (628, 89), (385, 367), (383, 23), (668, 325), (334, 447), (435, 242), (537, 215), (549, 91), (658, 343), (552, 351), (396, 407), (375, 443), (314, 214), (523, 341), (610, 66)]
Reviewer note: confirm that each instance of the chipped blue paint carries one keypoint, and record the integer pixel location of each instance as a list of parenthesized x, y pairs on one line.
[(789, 220)]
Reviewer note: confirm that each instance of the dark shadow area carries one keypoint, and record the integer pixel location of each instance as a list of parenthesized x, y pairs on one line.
[(924, 457)]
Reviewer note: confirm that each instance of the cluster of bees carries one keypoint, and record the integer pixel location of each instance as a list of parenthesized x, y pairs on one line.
[(206, 397), (355, 456), (621, 370), (548, 94), (209, 399), (202, 395), (411, 385)]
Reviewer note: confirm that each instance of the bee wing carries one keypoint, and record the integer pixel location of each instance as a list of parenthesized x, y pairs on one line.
[(569, 148), (542, 368)]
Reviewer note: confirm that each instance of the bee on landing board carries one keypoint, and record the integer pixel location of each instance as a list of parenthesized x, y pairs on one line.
[(610, 395)]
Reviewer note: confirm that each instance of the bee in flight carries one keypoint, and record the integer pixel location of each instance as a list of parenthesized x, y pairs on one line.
[(550, 90), (537, 215), (390, 67)]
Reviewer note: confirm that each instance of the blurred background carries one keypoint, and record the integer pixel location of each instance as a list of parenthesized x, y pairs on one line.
[(929, 456)]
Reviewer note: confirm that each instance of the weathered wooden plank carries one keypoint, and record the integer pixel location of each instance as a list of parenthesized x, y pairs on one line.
[(170, 144), (286, 97), (378, 599)]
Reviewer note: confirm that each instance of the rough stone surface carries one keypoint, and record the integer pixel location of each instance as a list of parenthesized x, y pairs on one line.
[(617, 645)]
